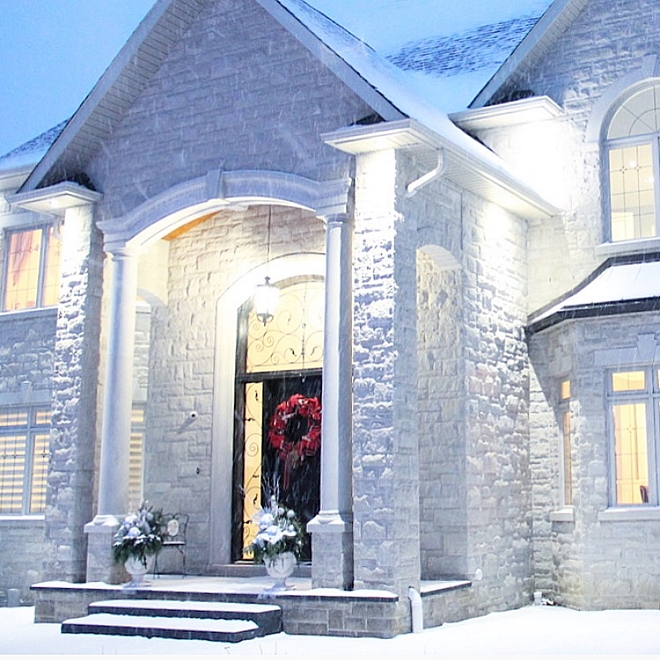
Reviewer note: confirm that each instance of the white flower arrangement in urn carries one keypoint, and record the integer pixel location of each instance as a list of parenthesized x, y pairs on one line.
[(280, 541), (137, 540)]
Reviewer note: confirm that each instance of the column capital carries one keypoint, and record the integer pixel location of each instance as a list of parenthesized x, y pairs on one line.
[(119, 251), (336, 219)]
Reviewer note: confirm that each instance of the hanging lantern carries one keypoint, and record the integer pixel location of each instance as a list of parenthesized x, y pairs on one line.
[(266, 297)]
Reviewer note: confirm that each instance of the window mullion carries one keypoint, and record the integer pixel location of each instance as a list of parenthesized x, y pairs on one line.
[(45, 237)]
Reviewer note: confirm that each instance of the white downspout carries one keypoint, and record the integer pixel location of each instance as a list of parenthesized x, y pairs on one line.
[(415, 185), (416, 610)]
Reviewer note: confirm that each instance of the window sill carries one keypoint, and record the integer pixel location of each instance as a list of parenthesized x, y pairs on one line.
[(632, 513), (567, 514), (634, 246), (18, 518), (33, 311)]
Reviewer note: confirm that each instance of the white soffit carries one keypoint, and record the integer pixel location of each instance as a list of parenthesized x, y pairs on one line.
[(526, 111)]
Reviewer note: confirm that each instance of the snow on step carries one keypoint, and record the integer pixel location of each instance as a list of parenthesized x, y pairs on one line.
[(232, 630), (185, 608)]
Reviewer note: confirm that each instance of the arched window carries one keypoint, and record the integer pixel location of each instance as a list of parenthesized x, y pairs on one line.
[(632, 161)]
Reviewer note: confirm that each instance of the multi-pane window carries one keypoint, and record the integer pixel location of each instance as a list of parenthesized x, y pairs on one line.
[(31, 269), (24, 456), (634, 402), (565, 429), (632, 164), (135, 463)]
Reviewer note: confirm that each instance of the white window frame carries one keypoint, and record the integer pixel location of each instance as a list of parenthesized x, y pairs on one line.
[(45, 228), (31, 429), (651, 397), (564, 408), (610, 144)]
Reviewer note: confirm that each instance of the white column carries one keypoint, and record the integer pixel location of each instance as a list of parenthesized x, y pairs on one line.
[(118, 397), (116, 428), (331, 529)]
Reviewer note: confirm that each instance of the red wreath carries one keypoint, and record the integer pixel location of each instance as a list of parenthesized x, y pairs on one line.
[(290, 452)]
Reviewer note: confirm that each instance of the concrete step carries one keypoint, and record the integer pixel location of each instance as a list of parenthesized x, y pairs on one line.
[(211, 621)]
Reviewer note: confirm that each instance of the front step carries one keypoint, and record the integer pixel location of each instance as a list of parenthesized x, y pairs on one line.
[(217, 622)]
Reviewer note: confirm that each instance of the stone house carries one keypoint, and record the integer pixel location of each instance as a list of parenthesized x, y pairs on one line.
[(472, 298)]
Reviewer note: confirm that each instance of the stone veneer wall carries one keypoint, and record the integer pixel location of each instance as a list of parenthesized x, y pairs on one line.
[(596, 52), (237, 92), (443, 501), (385, 436), (600, 562), (202, 263), (26, 349), (71, 478), (497, 421)]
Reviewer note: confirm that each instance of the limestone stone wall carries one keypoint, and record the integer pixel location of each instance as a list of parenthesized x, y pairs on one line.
[(385, 434), (497, 416), (237, 92), (26, 346), (599, 559), (443, 501), (202, 263), (72, 477)]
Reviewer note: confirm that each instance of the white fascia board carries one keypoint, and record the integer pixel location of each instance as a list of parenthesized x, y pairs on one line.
[(478, 170), (104, 87), (553, 23), (525, 111)]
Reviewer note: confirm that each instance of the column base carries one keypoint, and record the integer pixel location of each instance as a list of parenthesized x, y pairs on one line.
[(100, 564), (332, 551)]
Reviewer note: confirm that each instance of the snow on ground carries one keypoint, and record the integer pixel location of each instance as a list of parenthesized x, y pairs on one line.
[(531, 631)]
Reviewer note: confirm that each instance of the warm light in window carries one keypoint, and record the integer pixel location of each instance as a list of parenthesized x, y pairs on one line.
[(628, 380), (631, 454)]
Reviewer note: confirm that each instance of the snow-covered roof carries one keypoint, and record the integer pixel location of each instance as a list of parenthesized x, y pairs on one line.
[(449, 49), (31, 152), (614, 288), (394, 92)]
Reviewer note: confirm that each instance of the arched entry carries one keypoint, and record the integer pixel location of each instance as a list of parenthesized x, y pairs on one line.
[(277, 431)]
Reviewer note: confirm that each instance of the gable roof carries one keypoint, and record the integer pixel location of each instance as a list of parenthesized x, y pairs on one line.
[(115, 92), (386, 88), (545, 33)]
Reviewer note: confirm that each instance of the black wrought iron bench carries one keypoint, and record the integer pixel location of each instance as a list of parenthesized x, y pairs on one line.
[(174, 536)]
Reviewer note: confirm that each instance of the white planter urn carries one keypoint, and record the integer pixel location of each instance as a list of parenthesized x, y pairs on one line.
[(280, 567), (137, 570)]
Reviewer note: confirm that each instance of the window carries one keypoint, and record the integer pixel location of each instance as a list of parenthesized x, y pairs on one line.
[(135, 463), (565, 431), (24, 455), (632, 165), (32, 269), (634, 402)]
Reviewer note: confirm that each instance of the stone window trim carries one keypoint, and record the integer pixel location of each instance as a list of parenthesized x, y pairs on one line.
[(563, 515), (28, 518), (629, 513), (11, 314)]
